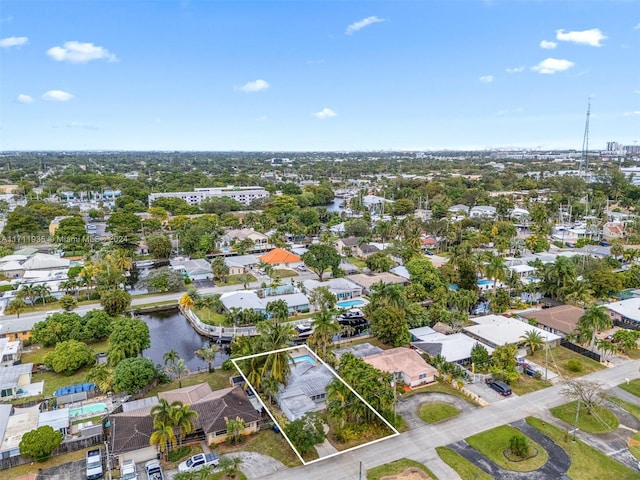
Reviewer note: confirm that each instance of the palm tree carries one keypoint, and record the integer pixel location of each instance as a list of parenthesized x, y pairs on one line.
[(338, 400), (28, 291), (184, 419), (163, 411), (325, 328), (246, 279), (186, 302), (594, 319), (170, 357), (578, 293), (163, 438), (496, 270), (276, 336), (43, 290), (278, 310), (208, 353), (532, 339), (178, 370)]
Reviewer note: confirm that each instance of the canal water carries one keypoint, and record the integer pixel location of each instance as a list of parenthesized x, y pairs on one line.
[(170, 330)]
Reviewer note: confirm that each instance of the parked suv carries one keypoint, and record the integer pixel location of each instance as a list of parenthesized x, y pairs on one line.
[(500, 387), (94, 464)]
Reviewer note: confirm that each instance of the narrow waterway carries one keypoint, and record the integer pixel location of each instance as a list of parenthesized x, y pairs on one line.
[(170, 330)]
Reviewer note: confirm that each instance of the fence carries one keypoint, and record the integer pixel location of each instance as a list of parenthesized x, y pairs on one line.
[(630, 324), (67, 446), (581, 350)]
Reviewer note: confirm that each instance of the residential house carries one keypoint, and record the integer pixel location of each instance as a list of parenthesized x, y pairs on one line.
[(297, 302), (366, 281), (280, 258), (561, 320), (342, 288), (496, 330), (613, 231), (198, 269), (347, 246), (18, 329), (482, 211), (131, 429), (404, 364), (15, 382), (241, 264), (44, 261), (305, 390), (459, 210), (22, 420), (625, 313), (455, 347), (338, 229), (360, 351), (365, 250), (9, 352), (260, 240)]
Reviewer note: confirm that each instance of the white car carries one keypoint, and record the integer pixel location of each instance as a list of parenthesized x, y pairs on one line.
[(198, 461)]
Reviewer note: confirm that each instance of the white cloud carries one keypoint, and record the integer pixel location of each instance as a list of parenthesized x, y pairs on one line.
[(77, 52), (57, 96), (486, 78), (22, 98), (591, 37), (254, 86), (637, 91), (549, 66), (637, 27), (515, 70), (325, 113), (635, 112), (13, 42), (359, 25), (548, 44)]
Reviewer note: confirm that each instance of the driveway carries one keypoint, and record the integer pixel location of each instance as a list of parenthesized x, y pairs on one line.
[(254, 465), (408, 406), (486, 393), (64, 472)]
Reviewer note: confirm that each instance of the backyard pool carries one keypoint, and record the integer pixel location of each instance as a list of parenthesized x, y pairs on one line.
[(304, 358), (91, 409), (484, 282), (350, 303)]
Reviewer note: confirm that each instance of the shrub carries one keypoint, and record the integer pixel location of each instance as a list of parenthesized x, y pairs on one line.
[(574, 365), (179, 453), (519, 446)]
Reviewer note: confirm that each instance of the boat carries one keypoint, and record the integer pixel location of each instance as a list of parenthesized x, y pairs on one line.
[(145, 263)]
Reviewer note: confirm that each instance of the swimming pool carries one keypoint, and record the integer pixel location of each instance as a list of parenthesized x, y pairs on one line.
[(90, 409), (350, 303), (484, 282), (304, 358)]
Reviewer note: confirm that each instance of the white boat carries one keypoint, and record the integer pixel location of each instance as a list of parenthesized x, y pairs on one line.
[(144, 263)]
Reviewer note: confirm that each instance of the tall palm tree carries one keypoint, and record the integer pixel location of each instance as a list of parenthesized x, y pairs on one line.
[(594, 319), (532, 339), (163, 438), (578, 293), (325, 327), (170, 357), (496, 270), (29, 292), (184, 419), (164, 412), (43, 290), (208, 353), (178, 370), (278, 310), (276, 336), (339, 396)]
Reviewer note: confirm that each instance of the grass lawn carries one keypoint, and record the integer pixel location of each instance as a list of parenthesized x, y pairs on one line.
[(37, 355), (217, 380), (283, 273), (266, 442), (433, 412), (210, 317), (357, 262), (492, 443), (632, 408), (360, 340), (396, 468), (602, 420), (22, 470), (587, 463), (234, 280), (528, 384), (632, 387), (633, 354), (558, 358), (634, 445), (462, 466), (441, 387)]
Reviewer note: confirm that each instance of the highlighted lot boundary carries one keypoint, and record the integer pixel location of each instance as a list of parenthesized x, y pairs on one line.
[(335, 374)]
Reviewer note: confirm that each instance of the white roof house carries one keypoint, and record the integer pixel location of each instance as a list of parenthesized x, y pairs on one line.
[(625, 310), (57, 419), (340, 287), (43, 261), (454, 348), (13, 258), (495, 330), (458, 209), (249, 299), (486, 211)]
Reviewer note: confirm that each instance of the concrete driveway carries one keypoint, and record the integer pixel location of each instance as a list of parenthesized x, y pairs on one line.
[(408, 406), (486, 393), (254, 465), (65, 471)]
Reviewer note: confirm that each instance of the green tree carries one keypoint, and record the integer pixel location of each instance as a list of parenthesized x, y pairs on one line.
[(234, 428), (519, 446), (38, 444), (15, 306), (325, 327), (115, 302), (208, 353), (322, 298), (626, 340), (275, 336), (184, 420), (229, 465), (246, 279), (480, 357), (278, 310), (319, 257), (593, 320), (379, 262), (163, 280), (532, 339), (69, 356), (102, 376), (163, 438), (306, 432), (130, 336), (132, 374), (219, 269), (71, 233), (178, 370), (68, 302), (159, 246), (504, 363), (389, 325), (423, 272)]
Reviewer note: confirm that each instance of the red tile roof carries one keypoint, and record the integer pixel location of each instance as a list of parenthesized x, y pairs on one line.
[(279, 255)]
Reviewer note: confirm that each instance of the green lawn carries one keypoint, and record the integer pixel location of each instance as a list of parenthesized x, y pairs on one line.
[(283, 273), (441, 387), (37, 355), (493, 443), (634, 445), (234, 280), (632, 408), (602, 420), (632, 387), (395, 468), (217, 380), (557, 361), (210, 317), (23, 470), (357, 262), (433, 412), (587, 463), (528, 384), (266, 442), (462, 466)]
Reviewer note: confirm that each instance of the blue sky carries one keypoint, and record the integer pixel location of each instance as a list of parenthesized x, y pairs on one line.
[(317, 75)]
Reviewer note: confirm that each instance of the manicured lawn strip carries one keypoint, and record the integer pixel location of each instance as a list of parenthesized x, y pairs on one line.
[(283, 273), (210, 317), (234, 280), (217, 380), (397, 467), (433, 412), (462, 466), (37, 355), (558, 358), (492, 443), (632, 408), (587, 463), (22, 470), (441, 387), (602, 420), (360, 340), (632, 387), (634, 445), (266, 442), (528, 384), (357, 262)]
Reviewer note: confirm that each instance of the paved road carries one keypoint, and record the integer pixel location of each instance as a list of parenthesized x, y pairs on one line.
[(419, 444), (408, 406)]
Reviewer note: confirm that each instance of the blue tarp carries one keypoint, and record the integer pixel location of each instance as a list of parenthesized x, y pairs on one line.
[(68, 390)]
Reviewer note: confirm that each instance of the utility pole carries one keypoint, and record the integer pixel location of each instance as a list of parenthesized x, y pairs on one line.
[(360, 476), (575, 423), (546, 355)]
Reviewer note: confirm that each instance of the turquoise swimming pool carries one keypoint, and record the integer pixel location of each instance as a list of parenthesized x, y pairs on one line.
[(484, 282), (350, 303), (304, 358), (91, 409)]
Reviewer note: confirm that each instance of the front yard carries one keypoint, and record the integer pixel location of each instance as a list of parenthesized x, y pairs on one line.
[(558, 358)]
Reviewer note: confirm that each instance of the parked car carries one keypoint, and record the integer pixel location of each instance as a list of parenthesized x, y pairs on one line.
[(94, 464), (500, 387), (154, 472), (196, 462), (302, 268), (128, 471), (428, 252)]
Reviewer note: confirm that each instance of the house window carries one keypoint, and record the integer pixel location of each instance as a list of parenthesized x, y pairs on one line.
[(220, 432), (422, 376), (6, 392)]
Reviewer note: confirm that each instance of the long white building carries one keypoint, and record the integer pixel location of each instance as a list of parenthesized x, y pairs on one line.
[(244, 195)]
